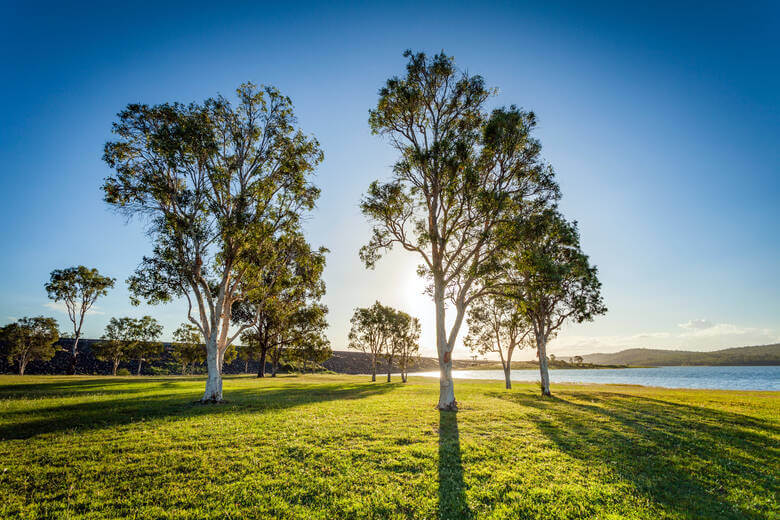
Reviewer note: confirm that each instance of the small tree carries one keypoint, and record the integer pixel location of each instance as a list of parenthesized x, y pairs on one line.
[(496, 325), (78, 288), (403, 333), (247, 352), (117, 341), (578, 360), (369, 332), (187, 347), (29, 339), (407, 345), (551, 280), (145, 332)]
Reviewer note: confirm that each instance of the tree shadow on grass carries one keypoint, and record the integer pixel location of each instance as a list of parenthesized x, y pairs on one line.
[(171, 405), (452, 488), (63, 386), (691, 462)]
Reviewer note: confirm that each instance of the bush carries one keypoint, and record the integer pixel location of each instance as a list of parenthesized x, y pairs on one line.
[(123, 372)]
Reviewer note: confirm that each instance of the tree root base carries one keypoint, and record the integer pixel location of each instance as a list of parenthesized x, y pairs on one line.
[(210, 401)]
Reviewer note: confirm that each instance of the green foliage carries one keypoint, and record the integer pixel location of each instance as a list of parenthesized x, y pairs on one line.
[(219, 183), (129, 338), (78, 288), (549, 277), (123, 372), (370, 328), (327, 447), (187, 347), (29, 339), (496, 325), (285, 313)]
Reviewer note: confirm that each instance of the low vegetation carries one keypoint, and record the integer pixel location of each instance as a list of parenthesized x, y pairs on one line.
[(329, 446)]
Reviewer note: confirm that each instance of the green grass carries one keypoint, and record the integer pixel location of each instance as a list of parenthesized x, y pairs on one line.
[(337, 447)]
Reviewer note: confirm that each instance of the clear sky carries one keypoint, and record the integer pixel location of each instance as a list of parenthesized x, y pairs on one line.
[(662, 121)]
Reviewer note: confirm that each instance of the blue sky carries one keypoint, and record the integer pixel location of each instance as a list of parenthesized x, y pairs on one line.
[(663, 123)]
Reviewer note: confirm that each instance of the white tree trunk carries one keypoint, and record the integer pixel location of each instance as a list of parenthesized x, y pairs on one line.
[(213, 393), (541, 347), (446, 383)]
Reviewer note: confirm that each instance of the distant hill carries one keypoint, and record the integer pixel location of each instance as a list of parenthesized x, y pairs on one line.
[(758, 355)]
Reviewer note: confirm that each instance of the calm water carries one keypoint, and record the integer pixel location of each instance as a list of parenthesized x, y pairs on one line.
[(723, 378)]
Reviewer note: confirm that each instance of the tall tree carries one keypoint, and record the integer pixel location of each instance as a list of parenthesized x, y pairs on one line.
[(78, 288), (29, 339), (496, 325), (219, 183), (551, 280), (145, 332), (369, 332), (117, 342), (187, 347), (460, 172)]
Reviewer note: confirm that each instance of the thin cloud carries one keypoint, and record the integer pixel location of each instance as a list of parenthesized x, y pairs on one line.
[(60, 307), (697, 324)]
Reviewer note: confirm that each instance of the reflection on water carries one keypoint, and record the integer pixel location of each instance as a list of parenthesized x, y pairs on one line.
[(723, 378)]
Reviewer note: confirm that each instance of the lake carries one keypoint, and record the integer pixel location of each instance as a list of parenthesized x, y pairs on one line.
[(722, 378)]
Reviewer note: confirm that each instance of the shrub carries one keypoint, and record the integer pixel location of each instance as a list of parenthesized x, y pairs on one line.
[(123, 372)]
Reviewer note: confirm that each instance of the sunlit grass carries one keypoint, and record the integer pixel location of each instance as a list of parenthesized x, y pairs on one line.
[(339, 447)]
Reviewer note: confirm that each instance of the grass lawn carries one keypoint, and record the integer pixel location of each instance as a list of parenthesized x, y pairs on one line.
[(338, 447)]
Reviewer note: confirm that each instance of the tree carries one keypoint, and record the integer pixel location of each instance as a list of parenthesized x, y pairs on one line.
[(117, 341), (78, 288), (145, 346), (29, 339), (406, 342), (402, 334), (292, 287), (369, 331), (311, 353), (578, 360), (218, 183), (459, 174), (247, 352), (187, 347), (551, 280), (496, 325)]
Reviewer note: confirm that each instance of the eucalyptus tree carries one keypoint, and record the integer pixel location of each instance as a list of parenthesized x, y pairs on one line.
[(304, 338), (145, 332), (496, 325), (78, 288), (370, 332), (399, 333), (217, 182), (460, 171), (117, 342), (551, 280), (29, 339), (187, 348), (290, 288), (403, 341)]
